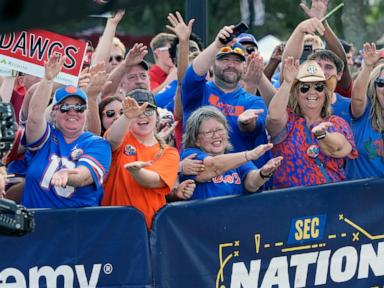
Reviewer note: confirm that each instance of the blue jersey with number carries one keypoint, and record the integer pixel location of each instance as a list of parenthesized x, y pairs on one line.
[(50, 154)]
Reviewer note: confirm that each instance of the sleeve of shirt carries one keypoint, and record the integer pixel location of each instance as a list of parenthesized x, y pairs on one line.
[(341, 126), (192, 89), (167, 166), (97, 158), (245, 169), (39, 143)]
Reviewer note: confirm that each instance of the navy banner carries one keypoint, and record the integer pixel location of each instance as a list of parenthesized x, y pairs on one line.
[(326, 236), (90, 247)]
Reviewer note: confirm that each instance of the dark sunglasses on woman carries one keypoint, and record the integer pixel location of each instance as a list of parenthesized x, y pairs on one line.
[(118, 58), (305, 87), (379, 82), (112, 113)]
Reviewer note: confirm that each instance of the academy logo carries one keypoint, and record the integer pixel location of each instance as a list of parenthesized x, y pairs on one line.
[(49, 277)]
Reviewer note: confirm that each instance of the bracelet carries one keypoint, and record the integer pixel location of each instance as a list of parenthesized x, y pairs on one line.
[(265, 176), (245, 155), (321, 135)]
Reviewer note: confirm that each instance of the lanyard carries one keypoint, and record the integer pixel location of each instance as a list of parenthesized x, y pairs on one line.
[(319, 164)]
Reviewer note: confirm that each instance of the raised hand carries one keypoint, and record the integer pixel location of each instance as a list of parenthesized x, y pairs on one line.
[(254, 68), (132, 109), (167, 131), (115, 19), (249, 115), (53, 66), (311, 26), (98, 79), (223, 34), (178, 26), (370, 54), (318, 8), (137, 165), (136, 54), (278, 52), (290, 69)]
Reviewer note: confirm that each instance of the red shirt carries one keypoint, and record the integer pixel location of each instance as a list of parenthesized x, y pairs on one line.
[(156, 76)]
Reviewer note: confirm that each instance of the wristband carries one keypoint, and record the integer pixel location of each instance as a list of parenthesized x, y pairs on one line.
[(321, 135), (265, 176), (245, 155)]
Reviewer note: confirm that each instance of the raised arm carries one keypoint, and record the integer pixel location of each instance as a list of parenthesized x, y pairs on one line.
[(134, 56), (277, 117), (103, 48), (36, 122), (206, 58), (183, 32), (120, 127), (360, 85)]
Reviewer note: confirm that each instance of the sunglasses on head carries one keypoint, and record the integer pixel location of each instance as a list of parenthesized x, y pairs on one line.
[(80, 108), (305, 87), (379, 82), (250, 49), (112, 113), (228, 49), (118, 58)]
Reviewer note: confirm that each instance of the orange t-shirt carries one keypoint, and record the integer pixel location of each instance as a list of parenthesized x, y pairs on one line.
[(121, 189)]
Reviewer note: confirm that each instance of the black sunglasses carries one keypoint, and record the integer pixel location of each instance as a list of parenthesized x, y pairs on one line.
[(112, 113), (379, 82), (305, 87), (118, 58), (80, 108), (250, 49)]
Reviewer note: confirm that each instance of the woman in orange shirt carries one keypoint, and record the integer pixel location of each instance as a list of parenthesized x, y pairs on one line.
[(144, 169)]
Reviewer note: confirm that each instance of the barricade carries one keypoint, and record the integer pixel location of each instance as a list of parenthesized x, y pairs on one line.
[(328, 236), (90, 247)]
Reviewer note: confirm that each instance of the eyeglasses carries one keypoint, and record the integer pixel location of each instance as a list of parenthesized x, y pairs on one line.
[(79, 108), (149, 112), (250, 49), (118, 58), (135, 77), (379, 82), (112, 113), (235, 50), (305, 87), (210, 133)]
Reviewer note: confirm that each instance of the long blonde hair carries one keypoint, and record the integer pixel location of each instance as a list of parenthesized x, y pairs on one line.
[(375, 114)]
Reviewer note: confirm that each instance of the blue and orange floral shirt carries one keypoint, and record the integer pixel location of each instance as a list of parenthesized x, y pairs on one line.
[(299, 166)]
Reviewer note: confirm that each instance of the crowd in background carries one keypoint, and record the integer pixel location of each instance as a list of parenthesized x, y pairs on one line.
[(198, 122)]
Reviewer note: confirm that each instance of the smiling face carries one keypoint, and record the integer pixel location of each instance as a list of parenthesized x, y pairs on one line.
[(212, 137), (311, 97), (144, 125), (110, 113), (70, 123), (229, 69)]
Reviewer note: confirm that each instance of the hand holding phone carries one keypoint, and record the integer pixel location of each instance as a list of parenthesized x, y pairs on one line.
[(237, 30)]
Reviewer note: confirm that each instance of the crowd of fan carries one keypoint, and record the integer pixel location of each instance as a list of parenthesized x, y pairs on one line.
[(197, 123)]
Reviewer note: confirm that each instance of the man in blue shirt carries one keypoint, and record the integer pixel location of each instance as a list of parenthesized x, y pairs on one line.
[(245, 113)]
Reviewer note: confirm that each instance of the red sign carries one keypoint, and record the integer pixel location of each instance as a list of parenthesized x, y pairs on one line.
[(26, 51)]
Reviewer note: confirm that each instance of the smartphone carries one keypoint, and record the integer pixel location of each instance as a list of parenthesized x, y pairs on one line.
[(307, 50), (237, 30)]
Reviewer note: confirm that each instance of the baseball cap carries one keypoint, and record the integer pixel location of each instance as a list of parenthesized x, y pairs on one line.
[(246, 38), (141, 96), (68, 91), (310, 71), (234, 50), (144, 64)]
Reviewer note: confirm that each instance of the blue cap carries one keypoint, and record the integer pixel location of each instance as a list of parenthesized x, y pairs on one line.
[(246, 38), (68, 91)]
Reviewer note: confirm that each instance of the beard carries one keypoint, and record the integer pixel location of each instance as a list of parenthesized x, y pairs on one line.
[(223, 76)]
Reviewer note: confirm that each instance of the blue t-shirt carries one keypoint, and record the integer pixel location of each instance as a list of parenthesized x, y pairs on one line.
[(230, 183), (197, 92), (341, 108), (166, 97), (51, 153), (370, 146)]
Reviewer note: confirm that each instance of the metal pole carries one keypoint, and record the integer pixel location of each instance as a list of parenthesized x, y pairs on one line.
[(198, 9)]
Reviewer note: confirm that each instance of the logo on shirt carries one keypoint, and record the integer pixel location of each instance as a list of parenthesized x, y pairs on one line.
[(226, 109), (76, 153), (129, 150)]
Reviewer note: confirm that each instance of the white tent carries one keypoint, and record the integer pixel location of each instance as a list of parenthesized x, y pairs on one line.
[(266, 46)]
